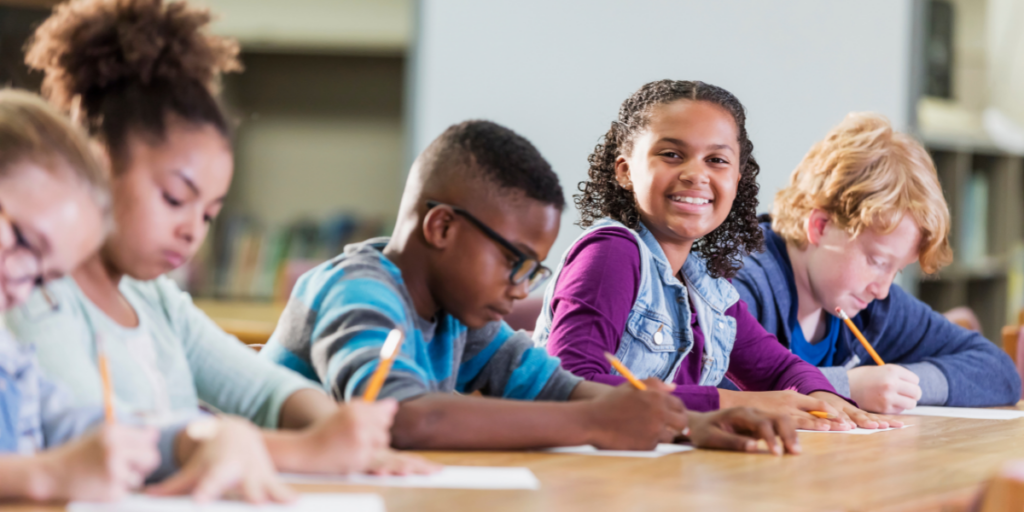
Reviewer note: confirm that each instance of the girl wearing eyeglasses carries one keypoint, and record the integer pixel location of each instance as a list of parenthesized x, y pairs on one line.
[(141, 75)]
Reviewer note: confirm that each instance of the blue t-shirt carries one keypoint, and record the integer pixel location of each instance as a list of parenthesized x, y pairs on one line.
[(821, 353)]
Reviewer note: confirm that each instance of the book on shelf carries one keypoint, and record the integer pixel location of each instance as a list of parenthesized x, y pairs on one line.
[(244, 259), (973, 246)]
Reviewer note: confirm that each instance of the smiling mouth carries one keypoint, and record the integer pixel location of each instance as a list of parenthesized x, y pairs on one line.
[(690, 200)]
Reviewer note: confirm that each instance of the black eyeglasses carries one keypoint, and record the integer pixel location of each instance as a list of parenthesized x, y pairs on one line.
[(526, 268), (20, 242)]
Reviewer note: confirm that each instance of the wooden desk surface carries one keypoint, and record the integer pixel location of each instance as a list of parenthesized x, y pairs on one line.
[(938, 464)]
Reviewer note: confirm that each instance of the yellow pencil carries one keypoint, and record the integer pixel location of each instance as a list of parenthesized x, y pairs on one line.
[(388, 353), (108, 387), (860, 337), (625, 372)]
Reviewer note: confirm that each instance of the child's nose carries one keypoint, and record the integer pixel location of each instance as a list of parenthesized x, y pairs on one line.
[(694, 172)]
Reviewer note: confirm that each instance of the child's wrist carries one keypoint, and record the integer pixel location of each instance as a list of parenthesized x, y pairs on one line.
[(289, 450), (41, 477), (728, 399)]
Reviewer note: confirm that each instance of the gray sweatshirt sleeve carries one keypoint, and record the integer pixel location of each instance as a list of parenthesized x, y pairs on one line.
[(836, 376), (934, 386)]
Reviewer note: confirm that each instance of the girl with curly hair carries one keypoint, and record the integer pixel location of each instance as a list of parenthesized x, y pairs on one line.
[(670, 211), (142, 76)]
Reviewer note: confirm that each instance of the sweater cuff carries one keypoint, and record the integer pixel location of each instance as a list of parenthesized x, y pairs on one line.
[(559, 387), (836, 376), (934, 386)]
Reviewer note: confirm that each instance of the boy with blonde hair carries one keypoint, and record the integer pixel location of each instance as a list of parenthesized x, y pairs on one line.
[(863, 204)]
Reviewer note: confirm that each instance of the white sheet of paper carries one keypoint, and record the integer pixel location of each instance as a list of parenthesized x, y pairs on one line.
[(662, 450), (451, 477), (856, 431), (965, 412), (308, 502)]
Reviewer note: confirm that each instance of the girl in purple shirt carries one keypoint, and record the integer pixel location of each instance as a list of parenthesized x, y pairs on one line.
[(674, 178)]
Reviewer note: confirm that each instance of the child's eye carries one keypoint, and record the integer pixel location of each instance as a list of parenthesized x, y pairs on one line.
[(171, 200), (207, 218), (670, 154), (718, 160)]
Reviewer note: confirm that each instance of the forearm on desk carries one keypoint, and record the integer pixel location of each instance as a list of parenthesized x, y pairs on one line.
[(24, 477), (440, 421), (305, 407)]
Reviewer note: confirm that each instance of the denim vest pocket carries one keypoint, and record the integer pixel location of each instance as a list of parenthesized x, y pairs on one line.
[(640, 349)]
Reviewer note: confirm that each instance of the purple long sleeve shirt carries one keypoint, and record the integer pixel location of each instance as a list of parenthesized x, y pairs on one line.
[(591, 303)]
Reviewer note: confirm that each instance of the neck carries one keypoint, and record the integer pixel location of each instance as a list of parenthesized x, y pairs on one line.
[(415, 274), (808, 304), (97, 273), (675, 250)]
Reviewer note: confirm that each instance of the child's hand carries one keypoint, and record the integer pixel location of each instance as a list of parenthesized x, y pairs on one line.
[(346, 441), (739, 428), (232, 460), (630, 419), (788, 403), (101, 466), (889, 389), (852, 415), (391, 462)]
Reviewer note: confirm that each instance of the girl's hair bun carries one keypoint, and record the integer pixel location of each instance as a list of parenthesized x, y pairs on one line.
[(89, 47)]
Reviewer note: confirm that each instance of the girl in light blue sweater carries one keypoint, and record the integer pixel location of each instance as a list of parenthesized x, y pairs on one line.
[(150, 102)]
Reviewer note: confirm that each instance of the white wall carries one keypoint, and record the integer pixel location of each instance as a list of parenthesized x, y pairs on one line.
[(556, 71)]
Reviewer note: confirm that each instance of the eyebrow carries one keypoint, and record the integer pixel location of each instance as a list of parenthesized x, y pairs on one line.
[(680, 142), (192, 185), (188, 181)]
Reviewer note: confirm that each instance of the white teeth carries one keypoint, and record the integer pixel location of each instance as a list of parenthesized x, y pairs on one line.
[(691, 200)]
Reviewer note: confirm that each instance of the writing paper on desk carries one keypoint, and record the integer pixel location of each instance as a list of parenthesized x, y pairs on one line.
[(662, 450), (855, 431), (451, 477), (312, 502), (965, 412)]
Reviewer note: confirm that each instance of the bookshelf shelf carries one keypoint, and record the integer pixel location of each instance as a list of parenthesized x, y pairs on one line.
[(985, 190), (250, 321)]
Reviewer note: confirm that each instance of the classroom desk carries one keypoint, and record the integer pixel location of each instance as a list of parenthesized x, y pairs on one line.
[(938, 464)]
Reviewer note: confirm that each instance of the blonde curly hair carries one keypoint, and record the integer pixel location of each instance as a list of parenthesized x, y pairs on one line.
[(865, 175)]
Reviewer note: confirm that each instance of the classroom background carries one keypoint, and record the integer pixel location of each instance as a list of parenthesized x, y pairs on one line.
[(338, 96)]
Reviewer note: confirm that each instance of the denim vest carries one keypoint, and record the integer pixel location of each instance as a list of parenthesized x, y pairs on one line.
[(658, 334)]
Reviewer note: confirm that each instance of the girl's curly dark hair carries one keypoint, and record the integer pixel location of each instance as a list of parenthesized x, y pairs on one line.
[(125, 65), (601, 196)]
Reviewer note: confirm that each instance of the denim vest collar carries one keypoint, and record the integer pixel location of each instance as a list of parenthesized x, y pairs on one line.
[(718, 294)]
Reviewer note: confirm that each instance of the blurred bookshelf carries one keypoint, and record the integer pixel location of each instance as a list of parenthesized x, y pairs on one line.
[(984, 188)]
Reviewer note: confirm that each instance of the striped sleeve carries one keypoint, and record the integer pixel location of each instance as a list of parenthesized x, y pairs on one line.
[(354, 315), (504, 363)]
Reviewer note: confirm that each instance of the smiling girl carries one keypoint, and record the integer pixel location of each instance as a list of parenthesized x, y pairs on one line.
[(142, 75), (670, 211)]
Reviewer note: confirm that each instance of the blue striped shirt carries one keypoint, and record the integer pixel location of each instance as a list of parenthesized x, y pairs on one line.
[(340, 313)]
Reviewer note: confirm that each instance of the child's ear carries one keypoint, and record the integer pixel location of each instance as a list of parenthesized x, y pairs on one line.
[(437, 225), (815, 226), (622, 173)]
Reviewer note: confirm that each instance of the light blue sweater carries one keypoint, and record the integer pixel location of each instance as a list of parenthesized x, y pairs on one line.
[(161, 369)]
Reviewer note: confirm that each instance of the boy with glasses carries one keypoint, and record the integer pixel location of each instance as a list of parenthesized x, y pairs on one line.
[(480, 211)]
